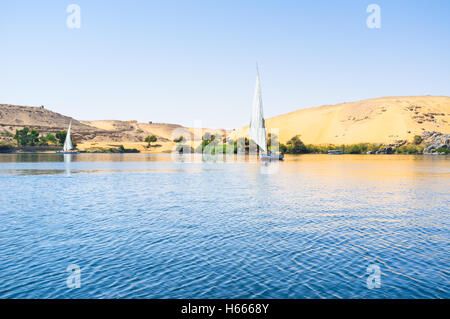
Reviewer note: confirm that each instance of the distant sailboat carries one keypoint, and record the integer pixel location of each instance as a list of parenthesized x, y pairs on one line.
[(68, 142), (257, 129), (68, 147)]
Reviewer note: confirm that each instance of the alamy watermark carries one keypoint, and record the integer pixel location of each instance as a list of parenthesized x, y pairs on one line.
[(374, 279), (199, 145), (74, 18), (374, 19), (74, 279)]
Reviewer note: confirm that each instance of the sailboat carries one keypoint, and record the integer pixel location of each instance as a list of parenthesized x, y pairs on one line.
[(257, 129), (68, 147)]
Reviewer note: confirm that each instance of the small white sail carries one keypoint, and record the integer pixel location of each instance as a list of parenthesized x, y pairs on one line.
[(68, 142), (257, 130)]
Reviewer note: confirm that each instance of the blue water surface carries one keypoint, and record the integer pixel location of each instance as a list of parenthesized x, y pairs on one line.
[(150, 226)]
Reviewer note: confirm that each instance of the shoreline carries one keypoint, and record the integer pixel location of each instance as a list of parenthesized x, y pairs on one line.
[(194, 153), (429, 143)]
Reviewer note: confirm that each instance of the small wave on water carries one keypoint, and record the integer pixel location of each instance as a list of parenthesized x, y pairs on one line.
[(162, 229)]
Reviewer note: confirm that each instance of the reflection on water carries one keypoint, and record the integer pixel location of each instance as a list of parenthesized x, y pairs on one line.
[(356, 166), (67, 161), (86, 157), (151, 226)]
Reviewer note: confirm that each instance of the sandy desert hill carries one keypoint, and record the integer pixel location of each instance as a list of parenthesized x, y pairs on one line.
[(14, 117), (97, 134), (380, 120), (132, 134)]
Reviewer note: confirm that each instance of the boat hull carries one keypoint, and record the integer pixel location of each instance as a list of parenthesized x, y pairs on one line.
[(62, 152), (278, 157)]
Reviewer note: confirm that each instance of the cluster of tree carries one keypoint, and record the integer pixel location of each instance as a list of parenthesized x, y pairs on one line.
[(31, 137), (213, 145), (295, 145), (27, 137)]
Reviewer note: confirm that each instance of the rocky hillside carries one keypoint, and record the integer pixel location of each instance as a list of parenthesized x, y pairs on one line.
[(94, 134), (14, 117), (435, 142)]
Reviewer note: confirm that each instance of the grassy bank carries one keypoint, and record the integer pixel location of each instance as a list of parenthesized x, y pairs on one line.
[(295, 145)]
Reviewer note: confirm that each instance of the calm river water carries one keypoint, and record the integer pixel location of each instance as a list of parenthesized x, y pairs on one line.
[(150, 226)]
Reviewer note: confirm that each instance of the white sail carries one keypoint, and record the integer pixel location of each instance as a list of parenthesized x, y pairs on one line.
[(68, 142), (257, 130)]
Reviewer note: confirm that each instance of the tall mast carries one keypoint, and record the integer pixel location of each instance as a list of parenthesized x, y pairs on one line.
[(257, 130)]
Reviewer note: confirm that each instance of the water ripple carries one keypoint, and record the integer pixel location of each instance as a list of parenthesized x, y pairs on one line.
[(156, 229)]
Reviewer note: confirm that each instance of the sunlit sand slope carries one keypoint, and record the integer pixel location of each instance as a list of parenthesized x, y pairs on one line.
[(381, 120)]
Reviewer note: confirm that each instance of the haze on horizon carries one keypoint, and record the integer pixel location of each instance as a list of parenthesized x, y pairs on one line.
[(178, 62)]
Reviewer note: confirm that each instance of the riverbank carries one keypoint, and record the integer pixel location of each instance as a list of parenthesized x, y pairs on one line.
[(10, 148), (376, 121), (30, 141), (54, 149), (311, 149)]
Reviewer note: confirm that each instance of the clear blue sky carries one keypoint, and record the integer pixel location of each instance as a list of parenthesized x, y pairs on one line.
[(180, 61)]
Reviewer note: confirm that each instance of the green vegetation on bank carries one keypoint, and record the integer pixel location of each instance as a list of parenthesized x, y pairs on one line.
[(213, 145), (30, 140), (296, 146), (409, 149), (6, 147), (31, 137), (49, 139), (27, 137), (443, 150), (61, 137), (115, 150)]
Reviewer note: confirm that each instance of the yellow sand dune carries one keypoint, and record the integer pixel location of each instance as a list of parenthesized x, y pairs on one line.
[(380, 120)]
